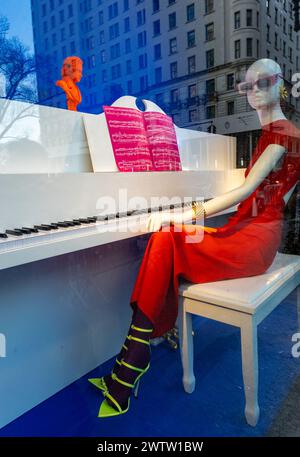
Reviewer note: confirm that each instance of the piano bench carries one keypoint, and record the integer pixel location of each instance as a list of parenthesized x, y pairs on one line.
[(244, 303)]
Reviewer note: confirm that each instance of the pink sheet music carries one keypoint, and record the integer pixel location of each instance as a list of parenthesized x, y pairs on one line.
[(142, 141), (128, 138), (162, 141)]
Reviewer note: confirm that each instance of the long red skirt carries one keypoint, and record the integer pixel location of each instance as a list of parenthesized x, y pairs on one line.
[(245, 251)]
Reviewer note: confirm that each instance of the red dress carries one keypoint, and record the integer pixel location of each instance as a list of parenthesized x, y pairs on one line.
[(245, 246)]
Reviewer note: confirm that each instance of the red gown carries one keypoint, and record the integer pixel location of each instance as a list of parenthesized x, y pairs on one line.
[(245, 246)]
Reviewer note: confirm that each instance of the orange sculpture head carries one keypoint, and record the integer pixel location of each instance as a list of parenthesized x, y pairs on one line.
[(72, 67)]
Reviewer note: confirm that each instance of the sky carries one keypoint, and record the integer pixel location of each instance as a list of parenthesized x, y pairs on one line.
[(18, 13)]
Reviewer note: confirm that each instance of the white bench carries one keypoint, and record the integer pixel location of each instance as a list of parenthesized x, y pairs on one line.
[(244, 303)]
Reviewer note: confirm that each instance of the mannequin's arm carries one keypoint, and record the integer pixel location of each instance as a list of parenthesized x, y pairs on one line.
[(260, 170)]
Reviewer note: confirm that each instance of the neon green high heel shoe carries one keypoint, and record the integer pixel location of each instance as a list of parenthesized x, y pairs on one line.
[(105, 409)]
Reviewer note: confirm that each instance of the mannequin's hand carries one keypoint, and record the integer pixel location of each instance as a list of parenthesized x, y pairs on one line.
[(156, 221)]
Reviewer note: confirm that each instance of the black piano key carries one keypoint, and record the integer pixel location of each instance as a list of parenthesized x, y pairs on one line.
[(14, 232), (3, 235), (62, 224), (54, 226), (92, 219), (76, 222), (84, 221), (70, 223), (33, 230), (24, 230), (43, 227)]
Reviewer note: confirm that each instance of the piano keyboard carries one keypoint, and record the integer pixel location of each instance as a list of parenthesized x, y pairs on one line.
[(26, 237)]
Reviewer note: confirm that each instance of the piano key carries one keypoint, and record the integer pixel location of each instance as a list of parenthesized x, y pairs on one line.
[(70, 223), (76, 222), (54, 226), (32, 230), (3, 235), (84, 221), (14, 232), (62, 224), (102, 218), (24, 230), (92, 219), (43, 227)]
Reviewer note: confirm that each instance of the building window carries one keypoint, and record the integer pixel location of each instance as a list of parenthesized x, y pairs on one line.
[(71, 28), (190, 12), (249, 47), (191, 64), (115, 51), (290, 55), (155, 6), (158, 75), (284, 25), (114, 31), (61, 16), (126, 5), (230, 81), (173, 70), (257, 19), (156, 27), (173, 45), (144, 82), (101, 37), (291, 32), (210, 87), (142, 39), (276, 16), (44, 10), (129, 87), (237, 49), (128, 67), (101, 17), (193, 115), (276, 41), (113, 11), (174, 96), (157, 51), (210, 112), (54, 39), (209, 6), (209, 31), (104, 76), (141, 17), (284, 48), (126, 24), (192, 91), (143, 61), (62, 34), (171, 2), (268, 33), (210, 58), (53, 22), (230, 108), (127, 45), (237, 20), (249, 18), (70, 10), (191, 39), (172, 21)]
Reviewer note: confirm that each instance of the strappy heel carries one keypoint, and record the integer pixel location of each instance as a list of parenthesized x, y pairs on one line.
[(106, 410)]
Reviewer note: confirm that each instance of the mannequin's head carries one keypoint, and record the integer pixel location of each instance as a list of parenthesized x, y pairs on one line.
[(266, 92)]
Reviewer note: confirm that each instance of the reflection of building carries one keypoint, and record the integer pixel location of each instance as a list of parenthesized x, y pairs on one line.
[(185, 55)]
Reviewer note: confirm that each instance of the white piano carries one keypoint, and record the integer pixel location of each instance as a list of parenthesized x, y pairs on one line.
[(65, 286)]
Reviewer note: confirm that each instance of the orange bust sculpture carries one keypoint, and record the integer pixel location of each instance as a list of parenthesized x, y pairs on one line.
[(71, 73)]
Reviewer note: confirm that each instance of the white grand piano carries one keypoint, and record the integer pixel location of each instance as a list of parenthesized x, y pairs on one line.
[(68, 265)]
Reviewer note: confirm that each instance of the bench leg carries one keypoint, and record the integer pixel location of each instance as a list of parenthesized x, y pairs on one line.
[(250, 369), (185, 329)]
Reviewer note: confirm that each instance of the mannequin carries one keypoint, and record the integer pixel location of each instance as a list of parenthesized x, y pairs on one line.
[(245, 246), (71, 73), (267, 106)]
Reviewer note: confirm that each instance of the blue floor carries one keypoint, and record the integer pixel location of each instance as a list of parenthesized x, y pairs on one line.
[(163, 408)]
